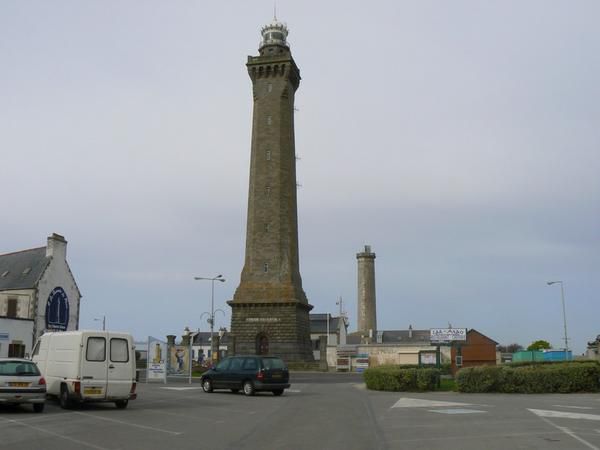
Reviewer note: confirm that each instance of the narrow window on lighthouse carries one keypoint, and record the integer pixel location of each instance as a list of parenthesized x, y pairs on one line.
[(266, 267), (268, 155), (267, 227), (268, 190), (269, 120), (269, 87)]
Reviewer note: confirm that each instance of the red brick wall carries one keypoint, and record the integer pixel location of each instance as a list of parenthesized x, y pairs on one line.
[(478, 350)]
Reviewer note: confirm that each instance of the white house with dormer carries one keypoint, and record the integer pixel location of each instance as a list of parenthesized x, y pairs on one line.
[(38, 293)]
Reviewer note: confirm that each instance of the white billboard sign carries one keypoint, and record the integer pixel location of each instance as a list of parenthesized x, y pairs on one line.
[(448, 334), (157, 363)]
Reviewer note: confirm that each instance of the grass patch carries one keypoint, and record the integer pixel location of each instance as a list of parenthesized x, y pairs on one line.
[(447, 384)]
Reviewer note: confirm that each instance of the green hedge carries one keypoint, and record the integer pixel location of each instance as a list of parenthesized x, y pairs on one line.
[(537, 378), (399, 378)]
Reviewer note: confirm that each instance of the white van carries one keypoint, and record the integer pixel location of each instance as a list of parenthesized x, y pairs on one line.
[(87, 366)]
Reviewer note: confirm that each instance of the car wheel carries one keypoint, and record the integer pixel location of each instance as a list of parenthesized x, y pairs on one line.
[(277, 392), (65, 401), (235, 391), (122, 404), (248, 388), (207, 385), (38, 407)]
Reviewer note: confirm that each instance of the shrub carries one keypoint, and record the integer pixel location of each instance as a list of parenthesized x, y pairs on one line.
[(557, 377), (399, 378)]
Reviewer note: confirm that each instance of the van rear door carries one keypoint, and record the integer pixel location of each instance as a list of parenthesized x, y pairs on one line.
[(94, 367), (121, 366)]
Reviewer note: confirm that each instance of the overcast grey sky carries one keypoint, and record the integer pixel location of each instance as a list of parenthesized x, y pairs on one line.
[(461, 140)]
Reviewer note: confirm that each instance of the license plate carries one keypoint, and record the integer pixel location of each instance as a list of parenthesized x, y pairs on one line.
[(92, 391), (276, 375), (19, 384)]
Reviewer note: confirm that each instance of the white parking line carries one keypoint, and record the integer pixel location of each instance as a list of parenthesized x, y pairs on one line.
[(572, 407), (52, 433), (570, 433), (456, 411), (181, 388), (134, 425)]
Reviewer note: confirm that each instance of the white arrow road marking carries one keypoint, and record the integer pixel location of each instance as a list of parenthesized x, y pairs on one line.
[(572, 407), (181, 388), (564, 415), (295, 391), (405, 402)]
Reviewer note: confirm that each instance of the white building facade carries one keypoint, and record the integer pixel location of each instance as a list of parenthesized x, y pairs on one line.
[(38, 293)]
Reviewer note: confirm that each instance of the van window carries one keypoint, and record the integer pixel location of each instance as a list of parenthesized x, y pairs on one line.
[(119, 350), (273, 363), (96, 349), (250, 364), (236, 364), (36, 349)]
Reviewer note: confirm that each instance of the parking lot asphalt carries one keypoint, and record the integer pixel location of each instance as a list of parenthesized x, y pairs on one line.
[(320, 411)]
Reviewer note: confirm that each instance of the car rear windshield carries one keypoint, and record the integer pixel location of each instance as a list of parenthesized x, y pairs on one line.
[(273, 363), (12, 368)]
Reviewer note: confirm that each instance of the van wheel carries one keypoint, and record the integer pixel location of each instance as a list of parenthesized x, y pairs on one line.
[(277, 392), (38, 407), (207, 385), (248, 388), (122, 404), (64, 400)]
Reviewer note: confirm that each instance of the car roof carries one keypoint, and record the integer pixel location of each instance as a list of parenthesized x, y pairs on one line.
[(16, 360)]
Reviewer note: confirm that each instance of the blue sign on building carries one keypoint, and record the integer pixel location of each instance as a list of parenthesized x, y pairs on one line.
[(57, 310)]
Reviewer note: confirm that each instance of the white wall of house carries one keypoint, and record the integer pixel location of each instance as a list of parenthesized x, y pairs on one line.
[(15, 331), (57, 274)]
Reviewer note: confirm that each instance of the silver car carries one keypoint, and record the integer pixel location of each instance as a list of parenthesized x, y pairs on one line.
[(21, 382)]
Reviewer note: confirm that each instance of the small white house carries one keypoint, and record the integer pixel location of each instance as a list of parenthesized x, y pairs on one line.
[(335, 328), (38, 293)]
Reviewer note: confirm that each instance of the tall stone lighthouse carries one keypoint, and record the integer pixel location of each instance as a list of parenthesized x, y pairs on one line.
[(269, 307), (367, 312)]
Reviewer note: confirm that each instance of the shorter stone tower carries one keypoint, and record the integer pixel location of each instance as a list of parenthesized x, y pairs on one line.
[(367, 312)]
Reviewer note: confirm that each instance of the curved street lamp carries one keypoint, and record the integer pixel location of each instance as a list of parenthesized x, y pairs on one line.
[(211, 319), (562, 296)]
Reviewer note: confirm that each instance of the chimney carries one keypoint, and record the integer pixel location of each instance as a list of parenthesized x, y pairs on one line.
[(57, 247)]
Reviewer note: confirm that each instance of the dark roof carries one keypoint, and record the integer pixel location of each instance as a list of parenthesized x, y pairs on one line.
[(405, 336), (473, 330), (394, 337), (23, 269), (318, 323)]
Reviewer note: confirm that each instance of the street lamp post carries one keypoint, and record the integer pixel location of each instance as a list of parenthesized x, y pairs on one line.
[(562, 296), (103, 322), (211, 320)]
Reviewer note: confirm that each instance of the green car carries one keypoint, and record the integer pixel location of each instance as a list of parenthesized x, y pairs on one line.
[(248, 373)]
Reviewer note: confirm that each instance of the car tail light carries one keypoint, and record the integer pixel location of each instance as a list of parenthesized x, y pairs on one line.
[(260, 375), (77, 387), (42, 382), (133, 386)]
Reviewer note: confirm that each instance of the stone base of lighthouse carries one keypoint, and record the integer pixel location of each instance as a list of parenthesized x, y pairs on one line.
[(278, 328)]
